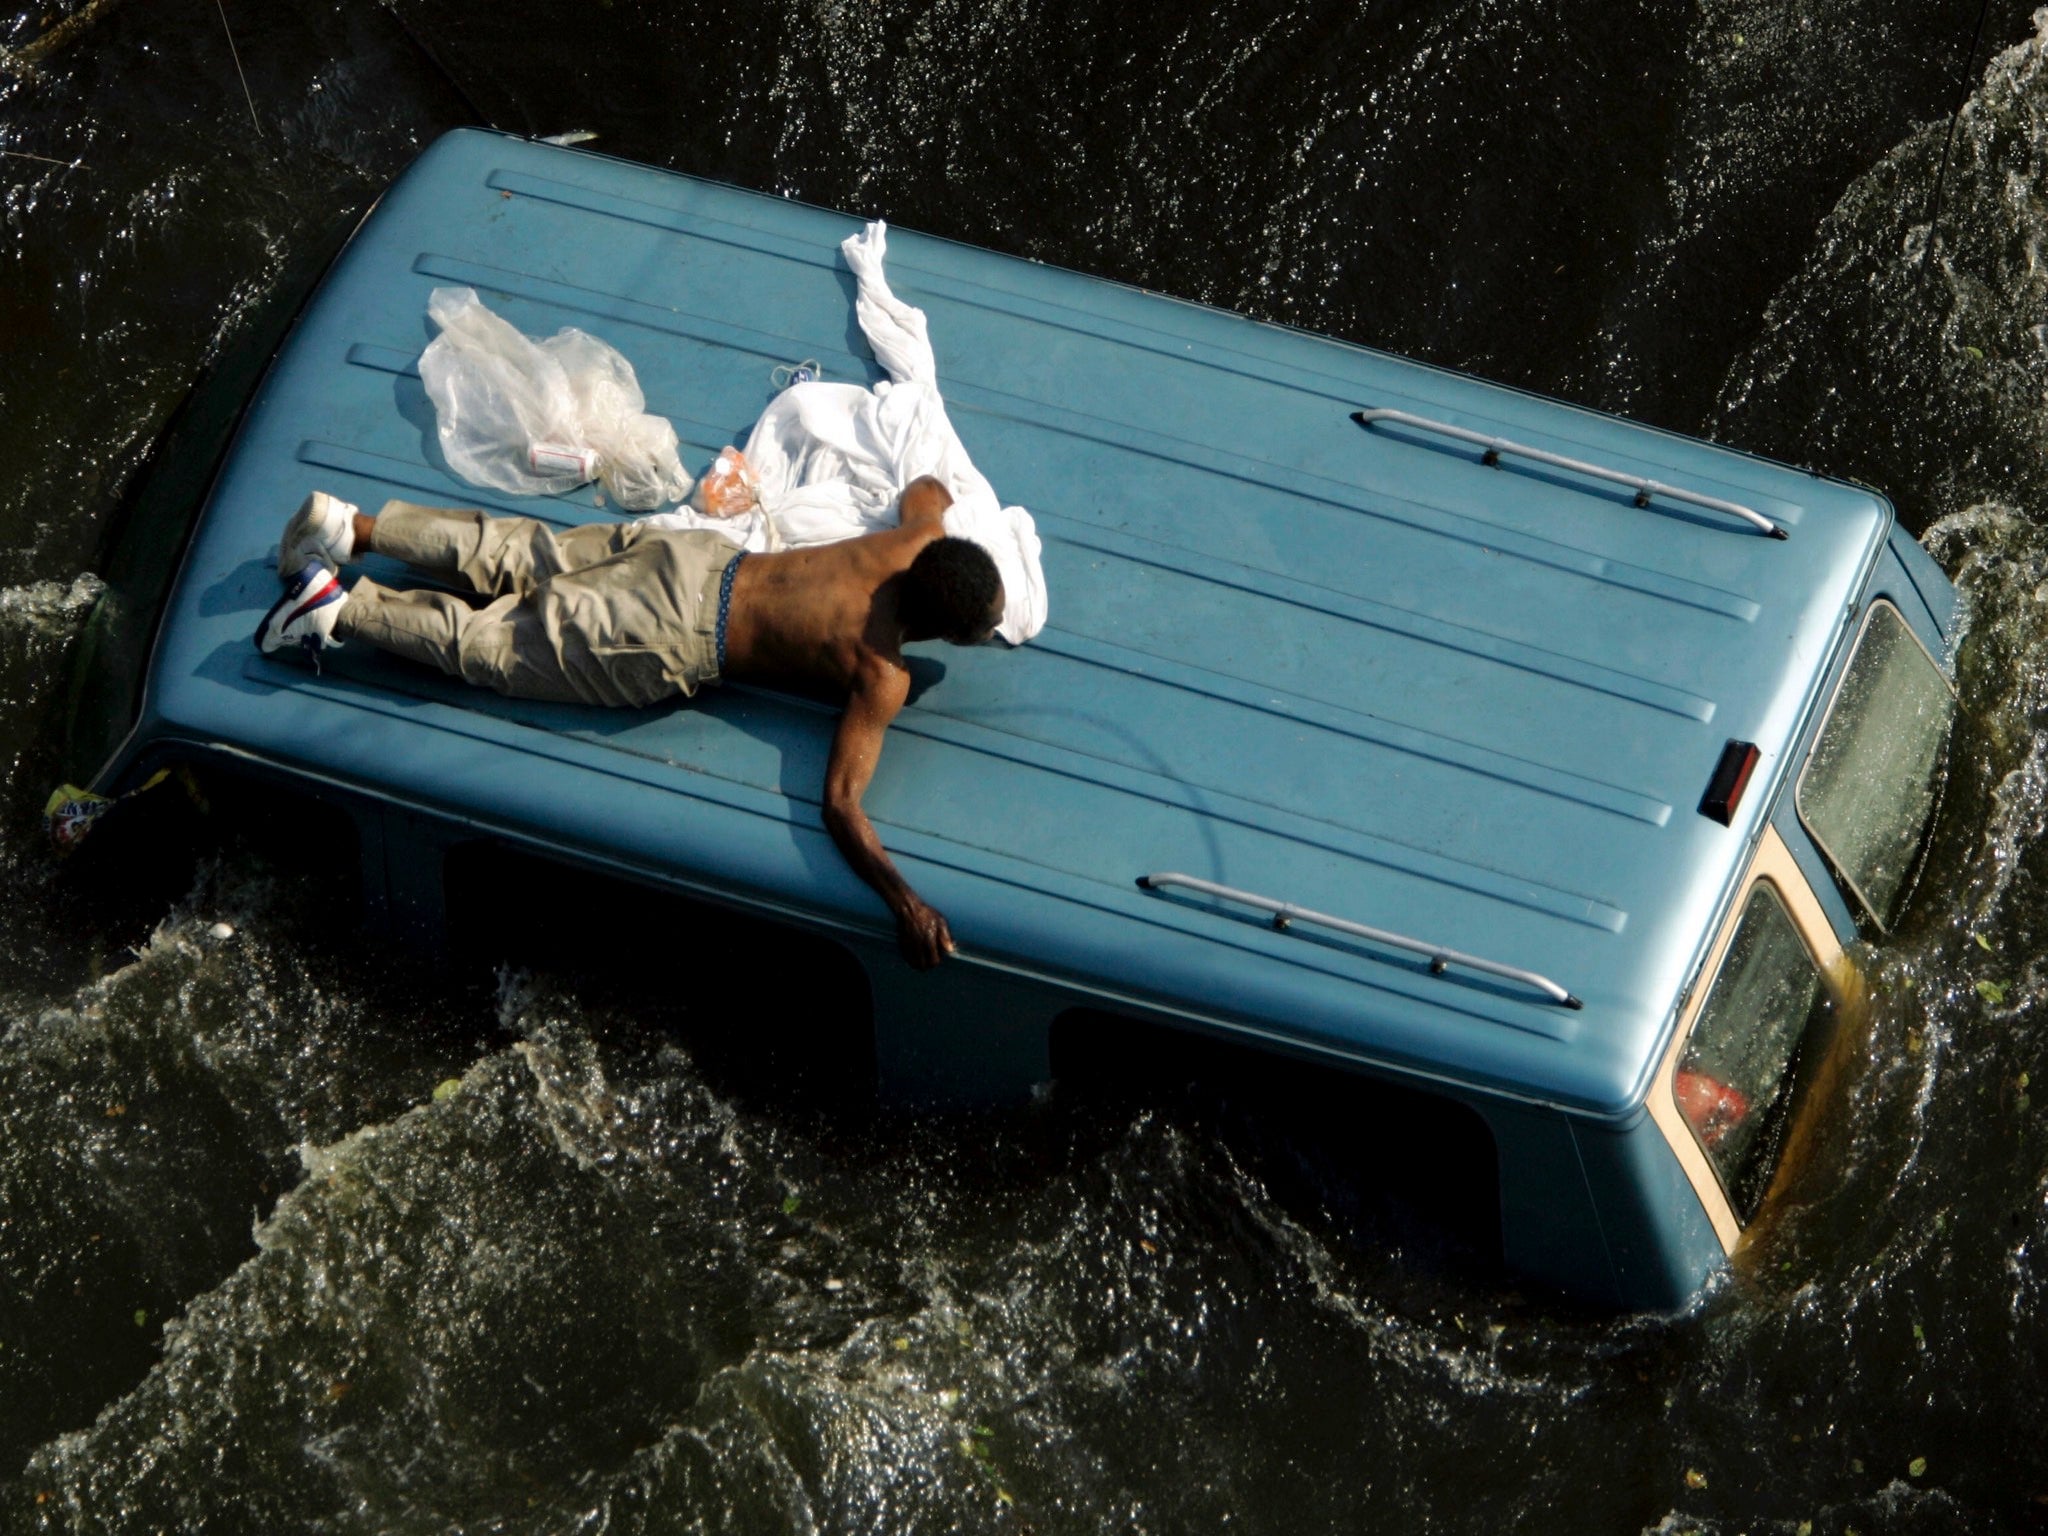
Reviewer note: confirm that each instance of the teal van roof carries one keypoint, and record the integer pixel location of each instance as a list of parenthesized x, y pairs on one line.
[(1352, 669)]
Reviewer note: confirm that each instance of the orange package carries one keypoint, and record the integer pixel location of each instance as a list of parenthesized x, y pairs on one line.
[(729, 487)]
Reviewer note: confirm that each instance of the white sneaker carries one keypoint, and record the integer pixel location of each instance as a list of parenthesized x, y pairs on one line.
[(323, 529), (305, 615)]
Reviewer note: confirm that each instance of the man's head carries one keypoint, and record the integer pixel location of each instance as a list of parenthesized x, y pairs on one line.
[(951, 592)]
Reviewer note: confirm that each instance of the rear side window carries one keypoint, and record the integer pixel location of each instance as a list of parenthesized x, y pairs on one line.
[(1867, 790), (1737, 1080)]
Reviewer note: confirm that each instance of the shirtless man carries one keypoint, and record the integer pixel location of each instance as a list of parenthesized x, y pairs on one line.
[(623, 614)]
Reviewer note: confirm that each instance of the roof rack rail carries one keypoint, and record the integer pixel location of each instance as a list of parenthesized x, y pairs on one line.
[(1286, 914), (1644, 487)]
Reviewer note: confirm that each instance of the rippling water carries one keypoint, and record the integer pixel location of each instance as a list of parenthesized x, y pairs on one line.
[(258, 1271)]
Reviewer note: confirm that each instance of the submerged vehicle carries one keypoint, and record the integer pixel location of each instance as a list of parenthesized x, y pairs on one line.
[(1522, 761)]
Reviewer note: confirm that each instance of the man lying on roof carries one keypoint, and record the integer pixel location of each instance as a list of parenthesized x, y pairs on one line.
[(621, 613)]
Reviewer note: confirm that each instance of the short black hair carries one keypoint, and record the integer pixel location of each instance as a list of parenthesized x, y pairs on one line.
[(950, 591)]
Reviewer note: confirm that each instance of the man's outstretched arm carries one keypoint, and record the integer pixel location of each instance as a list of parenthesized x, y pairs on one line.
[(878, 693)]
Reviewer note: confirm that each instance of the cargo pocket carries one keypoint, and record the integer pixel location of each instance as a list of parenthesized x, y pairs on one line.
[(638, 675)]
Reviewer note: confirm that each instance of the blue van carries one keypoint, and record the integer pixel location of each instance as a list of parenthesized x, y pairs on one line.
[(1531, 762)]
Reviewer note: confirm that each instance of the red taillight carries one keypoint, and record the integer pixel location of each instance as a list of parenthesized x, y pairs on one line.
[(1731, 778)]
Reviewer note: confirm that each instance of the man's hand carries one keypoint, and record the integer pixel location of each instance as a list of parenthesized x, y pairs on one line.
[(923, 935)]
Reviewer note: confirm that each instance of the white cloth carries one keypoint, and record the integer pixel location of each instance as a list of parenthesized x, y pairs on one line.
[(834, 458)]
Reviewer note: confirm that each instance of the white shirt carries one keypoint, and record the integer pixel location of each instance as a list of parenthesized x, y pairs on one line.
[(834, 458)]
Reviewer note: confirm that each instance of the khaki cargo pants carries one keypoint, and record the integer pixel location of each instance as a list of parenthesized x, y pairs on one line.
[(609, 613)]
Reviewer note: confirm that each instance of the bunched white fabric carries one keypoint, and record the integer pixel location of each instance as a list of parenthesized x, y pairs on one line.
[(833, 458)]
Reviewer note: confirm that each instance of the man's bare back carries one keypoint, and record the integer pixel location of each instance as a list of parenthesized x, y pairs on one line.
[(817, 616)]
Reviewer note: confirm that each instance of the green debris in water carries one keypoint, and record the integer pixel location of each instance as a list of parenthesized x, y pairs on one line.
[(901, 1344), (2024, 1081), (1976, 354), (1919, 1335), (790, 1203), (141, 1317), (446, 1089), (1982, 942), (1992, 992), (1695, 1478), (1917, 1467)]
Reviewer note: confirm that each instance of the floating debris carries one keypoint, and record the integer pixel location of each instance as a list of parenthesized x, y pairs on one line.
[(236, 54), (22, 154)]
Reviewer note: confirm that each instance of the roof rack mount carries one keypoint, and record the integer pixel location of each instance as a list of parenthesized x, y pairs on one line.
[(1286, 914), (1644, 487)]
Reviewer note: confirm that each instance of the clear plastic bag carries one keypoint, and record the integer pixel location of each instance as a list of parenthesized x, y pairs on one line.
[(537, 417), (730, 488)]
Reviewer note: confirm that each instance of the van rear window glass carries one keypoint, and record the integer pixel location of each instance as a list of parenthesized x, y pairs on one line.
[(1737, 1079), (1874, 773)]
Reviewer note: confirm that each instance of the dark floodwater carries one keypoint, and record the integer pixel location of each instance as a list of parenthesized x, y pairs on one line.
[(256, 1275)]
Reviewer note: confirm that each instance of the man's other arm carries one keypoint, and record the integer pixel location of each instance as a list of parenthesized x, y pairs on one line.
[(923, 504), (878, 692)]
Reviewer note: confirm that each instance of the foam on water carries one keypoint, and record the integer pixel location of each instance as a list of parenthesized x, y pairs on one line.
[(1915, 361), (582, 1291)]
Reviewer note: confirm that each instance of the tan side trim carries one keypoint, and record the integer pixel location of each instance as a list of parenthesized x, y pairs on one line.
[(1773, 866)]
